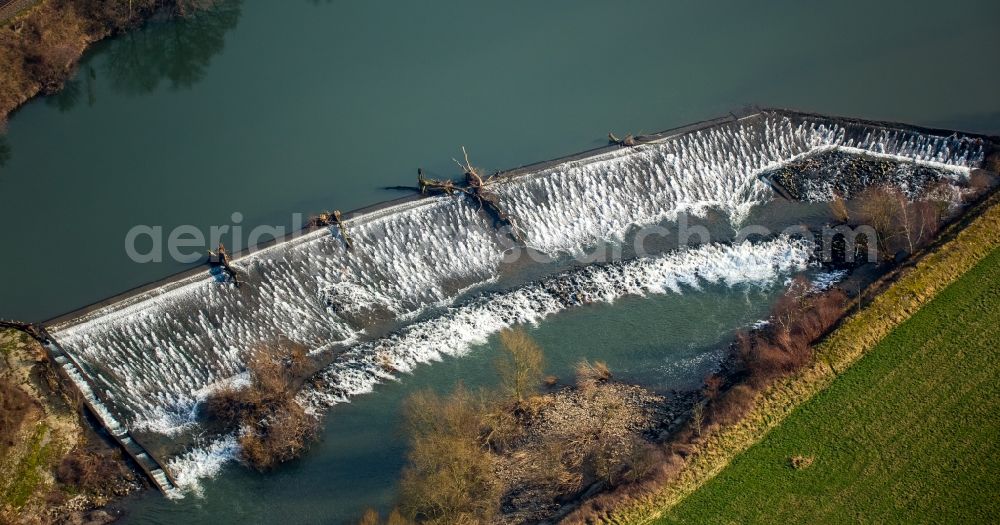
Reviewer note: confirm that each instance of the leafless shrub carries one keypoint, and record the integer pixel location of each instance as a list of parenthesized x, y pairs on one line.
[(90, 471), (733, 405), (901, 224), (520, 366), (282, 435), (501, 427), (697, 417), (879, 207), (713, 386), (839, 208), (980, 182), (590, 374), (992, 162), (449, 477), (397, 518), (274, 428), (642, 461), (557, 467), (370, 517)]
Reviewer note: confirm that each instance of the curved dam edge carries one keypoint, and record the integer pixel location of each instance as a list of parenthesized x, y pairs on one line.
[(109, 419), (179, 279)]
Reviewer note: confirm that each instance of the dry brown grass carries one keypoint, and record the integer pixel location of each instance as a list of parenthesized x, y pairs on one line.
[(801, 462), (590, 374)]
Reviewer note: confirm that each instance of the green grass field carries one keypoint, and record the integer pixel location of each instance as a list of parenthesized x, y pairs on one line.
[(910, 433)]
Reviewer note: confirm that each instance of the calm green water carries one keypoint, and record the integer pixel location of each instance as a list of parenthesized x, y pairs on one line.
[(268, 108)]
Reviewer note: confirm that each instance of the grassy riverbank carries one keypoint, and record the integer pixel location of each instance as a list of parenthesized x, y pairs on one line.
[(53, 468), (914, 287), (908, 434)]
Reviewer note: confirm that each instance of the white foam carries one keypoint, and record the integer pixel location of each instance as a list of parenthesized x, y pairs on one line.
[(202, 462), (150, 357), (358, 370)]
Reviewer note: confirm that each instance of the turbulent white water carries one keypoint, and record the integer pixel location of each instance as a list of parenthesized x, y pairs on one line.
[(153, 356), (461, 327), (455, 332)]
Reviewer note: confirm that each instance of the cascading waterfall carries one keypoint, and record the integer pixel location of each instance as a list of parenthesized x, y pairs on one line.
[(153, 356)]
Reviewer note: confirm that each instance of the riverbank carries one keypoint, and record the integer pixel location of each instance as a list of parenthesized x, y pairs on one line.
[(906, 290), (919, 411), (41, 45), (53, 467)]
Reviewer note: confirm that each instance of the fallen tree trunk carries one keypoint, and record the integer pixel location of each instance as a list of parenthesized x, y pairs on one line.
[(222, 259), (476, 187), (343, 230), (628, 141), (327, 219)]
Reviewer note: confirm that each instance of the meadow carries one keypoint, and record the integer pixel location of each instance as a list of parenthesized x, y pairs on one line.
[(907, 434)]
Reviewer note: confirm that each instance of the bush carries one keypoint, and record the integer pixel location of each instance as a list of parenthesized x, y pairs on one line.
[(520, 366), (92, 472), (838, 207), (992, 162), (371, 517), (590, 374), (274, 428), (799, 318), (449, 477), (732, 406), (980, 182), (282, 435), (901, 224)]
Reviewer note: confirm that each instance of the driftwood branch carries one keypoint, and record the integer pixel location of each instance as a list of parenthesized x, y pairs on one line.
[(472, 176), (330, 218), (222, 259), (628, 141), (343, 230), (476, 188)]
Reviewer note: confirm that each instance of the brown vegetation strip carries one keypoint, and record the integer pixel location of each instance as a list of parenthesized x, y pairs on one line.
[(39, 49)]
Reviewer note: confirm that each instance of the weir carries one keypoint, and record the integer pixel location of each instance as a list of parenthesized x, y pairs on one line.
[(143, 360)]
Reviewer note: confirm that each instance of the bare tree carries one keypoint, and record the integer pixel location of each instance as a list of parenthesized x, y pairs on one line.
[(839, 208), (879, 208), (520, 366)]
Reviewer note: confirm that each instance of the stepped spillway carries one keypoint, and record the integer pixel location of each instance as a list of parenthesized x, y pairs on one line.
[(151, 357)]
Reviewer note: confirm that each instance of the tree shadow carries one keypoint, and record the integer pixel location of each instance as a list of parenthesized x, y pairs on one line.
[(178, 50), (5, 153), (73, 90)]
